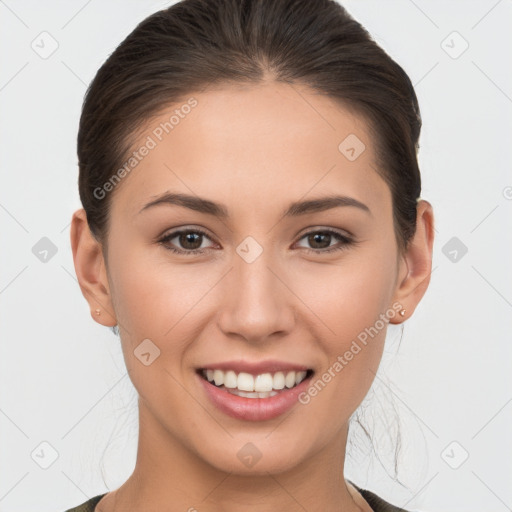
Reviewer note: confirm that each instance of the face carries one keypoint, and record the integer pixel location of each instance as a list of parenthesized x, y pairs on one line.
[(264, 287)]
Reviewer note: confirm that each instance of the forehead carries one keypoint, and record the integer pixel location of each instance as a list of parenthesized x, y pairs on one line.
[(245, 142)]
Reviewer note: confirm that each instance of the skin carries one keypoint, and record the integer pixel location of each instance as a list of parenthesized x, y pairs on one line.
[(255, 149)]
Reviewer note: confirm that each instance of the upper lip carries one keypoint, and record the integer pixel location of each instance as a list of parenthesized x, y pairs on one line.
[(256, 368)]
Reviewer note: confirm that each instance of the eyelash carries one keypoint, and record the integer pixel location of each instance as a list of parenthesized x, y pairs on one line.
[(344, 239)]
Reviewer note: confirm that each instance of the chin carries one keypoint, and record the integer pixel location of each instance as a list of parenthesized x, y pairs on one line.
[(256, 457)]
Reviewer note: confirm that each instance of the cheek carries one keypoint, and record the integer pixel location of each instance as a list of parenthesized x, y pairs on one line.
[(152, 300), (165, 303), (349, 295), (350, 299), (152, 294)]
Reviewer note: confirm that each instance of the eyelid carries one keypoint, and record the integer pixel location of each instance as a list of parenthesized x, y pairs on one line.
[(180, 229), (314, 229)]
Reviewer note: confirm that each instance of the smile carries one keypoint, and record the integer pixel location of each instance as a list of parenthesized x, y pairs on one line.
[(253, 396), (263, 385)]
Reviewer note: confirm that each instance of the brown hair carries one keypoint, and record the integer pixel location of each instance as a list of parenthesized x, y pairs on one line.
[(197, 43)]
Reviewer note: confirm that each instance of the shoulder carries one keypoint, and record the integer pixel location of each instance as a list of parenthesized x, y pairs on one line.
[(87, 506), (376, 502)]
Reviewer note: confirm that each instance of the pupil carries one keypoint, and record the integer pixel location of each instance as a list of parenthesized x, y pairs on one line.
[(317, 236), (189, 238)]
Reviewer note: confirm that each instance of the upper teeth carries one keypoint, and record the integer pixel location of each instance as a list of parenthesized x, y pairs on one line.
[(247, 382)]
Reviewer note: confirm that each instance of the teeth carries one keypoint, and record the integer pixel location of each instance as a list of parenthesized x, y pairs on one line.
[(278, 380), (263, 382), (230, 379), (218, 377), (245, 382), (262, 385), (299, 377), (289, 380), (252, 395)]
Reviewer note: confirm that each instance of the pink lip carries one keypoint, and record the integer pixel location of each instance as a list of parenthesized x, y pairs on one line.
[(253, 409), (269, 366)]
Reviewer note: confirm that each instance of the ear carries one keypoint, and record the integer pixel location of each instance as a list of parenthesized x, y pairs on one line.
[(90, 270), (415, 265)]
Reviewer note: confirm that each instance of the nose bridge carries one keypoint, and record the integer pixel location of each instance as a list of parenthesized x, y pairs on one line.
[(257, 304)]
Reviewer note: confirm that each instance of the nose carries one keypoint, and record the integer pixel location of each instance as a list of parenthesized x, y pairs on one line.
[(257, 303)]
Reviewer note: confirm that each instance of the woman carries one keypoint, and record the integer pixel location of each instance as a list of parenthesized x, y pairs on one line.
[(251, 225)]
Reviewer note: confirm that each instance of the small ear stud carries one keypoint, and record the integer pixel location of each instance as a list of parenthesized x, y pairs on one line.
[(98, 311), (402, 312)]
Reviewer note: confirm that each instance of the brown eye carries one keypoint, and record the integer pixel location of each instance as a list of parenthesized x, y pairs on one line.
[(320, 241), (188, 241)]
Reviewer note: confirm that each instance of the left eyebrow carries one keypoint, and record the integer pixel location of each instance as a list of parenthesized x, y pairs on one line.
[(323, 203), (295, 209)]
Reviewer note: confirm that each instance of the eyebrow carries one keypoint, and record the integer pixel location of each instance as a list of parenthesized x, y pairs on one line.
[(295, 209)]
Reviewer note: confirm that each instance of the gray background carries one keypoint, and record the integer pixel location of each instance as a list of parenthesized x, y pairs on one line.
[(67, 403)]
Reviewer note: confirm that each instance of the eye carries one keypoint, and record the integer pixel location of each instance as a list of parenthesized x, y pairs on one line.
[(190, 239), (323, 238)]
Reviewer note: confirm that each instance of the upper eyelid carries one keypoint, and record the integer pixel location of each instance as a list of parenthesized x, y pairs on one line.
[(337, 231), (173, 233)]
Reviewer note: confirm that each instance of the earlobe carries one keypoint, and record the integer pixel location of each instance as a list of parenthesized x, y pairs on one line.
[(90, 270), (417, 263)]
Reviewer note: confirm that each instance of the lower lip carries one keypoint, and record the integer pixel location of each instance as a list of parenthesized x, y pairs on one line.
[(253, 409)]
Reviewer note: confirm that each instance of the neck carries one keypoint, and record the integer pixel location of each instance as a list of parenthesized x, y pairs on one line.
[(169, 477)]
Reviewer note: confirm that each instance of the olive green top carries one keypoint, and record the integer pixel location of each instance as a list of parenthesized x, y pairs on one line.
[(377, 504)]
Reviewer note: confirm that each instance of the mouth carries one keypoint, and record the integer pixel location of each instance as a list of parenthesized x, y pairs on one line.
[(249, 385)]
